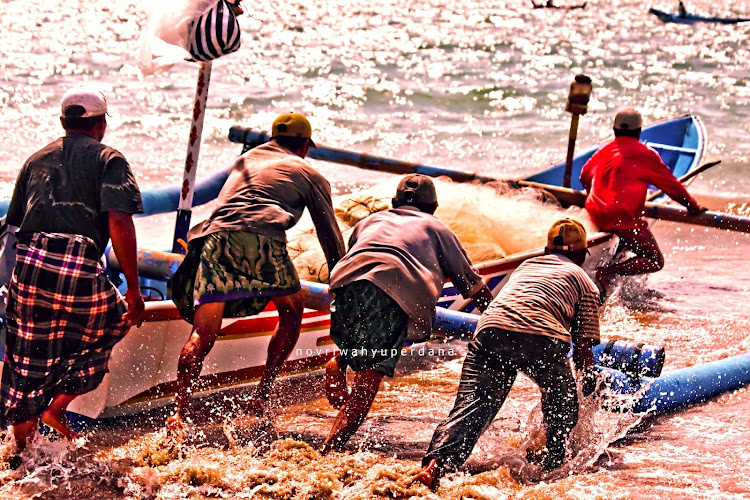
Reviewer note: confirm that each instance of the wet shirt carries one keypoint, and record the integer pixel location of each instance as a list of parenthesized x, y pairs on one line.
[(69, 186), (266, 193), (408, 254), (617, 177), (547, 295)]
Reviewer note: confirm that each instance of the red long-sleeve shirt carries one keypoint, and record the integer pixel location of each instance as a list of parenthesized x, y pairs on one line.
[(617, 177)]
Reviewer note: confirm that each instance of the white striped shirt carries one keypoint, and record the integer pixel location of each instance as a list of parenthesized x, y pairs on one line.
[(547, 295)]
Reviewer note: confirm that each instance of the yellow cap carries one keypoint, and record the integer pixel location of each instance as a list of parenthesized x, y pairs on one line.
[(566, 234), (292, 125)]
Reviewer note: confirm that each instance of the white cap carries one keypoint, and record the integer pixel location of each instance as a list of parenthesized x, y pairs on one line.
[(91, 100), (628, 119)]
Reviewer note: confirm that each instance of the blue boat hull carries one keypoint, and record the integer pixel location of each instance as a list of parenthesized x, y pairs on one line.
[(668, 17)]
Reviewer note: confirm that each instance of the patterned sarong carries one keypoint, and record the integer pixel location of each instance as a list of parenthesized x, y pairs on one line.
[(242, 269), (64, 317), (368, 326)]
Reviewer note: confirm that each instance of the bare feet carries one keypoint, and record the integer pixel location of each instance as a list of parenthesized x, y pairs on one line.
[(175, 427), (335, 383), (55, 419), (536, 455), (257, 405), (429, 475)]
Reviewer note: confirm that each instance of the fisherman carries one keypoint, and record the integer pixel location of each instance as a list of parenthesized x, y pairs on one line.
[(237, 259), (392, 276), (528, 327), (682, 10), (617, 177), (64, 315)]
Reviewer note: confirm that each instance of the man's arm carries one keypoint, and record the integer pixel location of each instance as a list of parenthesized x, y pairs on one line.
[(586, 177), (583, 356), (659, 175), (17, 207), (482, 298), (321, 211), (585, 334), (587, 171), (122, 233)]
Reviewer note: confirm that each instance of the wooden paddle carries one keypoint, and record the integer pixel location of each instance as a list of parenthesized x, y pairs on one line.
[(566, 196)]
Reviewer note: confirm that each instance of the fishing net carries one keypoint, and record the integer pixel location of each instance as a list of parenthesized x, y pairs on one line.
[(491, 220)]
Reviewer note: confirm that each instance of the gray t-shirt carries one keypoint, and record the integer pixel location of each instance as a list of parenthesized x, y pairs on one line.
[(267, 191), (408, 254), (69, 186)]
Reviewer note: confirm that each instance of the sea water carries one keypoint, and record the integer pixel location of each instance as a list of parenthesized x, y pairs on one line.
[(472, 85)]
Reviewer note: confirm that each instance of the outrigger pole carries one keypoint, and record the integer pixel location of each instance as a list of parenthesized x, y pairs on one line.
[(184, 210), (566, 196)]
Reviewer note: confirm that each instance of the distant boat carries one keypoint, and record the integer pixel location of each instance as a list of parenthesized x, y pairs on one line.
[(688, 18), (550, 5)]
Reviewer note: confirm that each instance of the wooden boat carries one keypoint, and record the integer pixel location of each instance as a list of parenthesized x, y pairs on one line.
[(550, 5), (688, 18), (143, 366)]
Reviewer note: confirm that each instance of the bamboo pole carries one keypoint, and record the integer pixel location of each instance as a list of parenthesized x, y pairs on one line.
[(184, 211)]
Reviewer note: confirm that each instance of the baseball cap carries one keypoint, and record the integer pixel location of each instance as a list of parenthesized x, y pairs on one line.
[(416, 189), (566, 234), (91, 100), (628, 119), (292, 125)]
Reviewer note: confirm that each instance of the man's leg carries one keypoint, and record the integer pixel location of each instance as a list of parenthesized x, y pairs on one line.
[(485, 383), (22, 432), (290, 308), (648, 257), (560, 409), (547, 364), (364, 389), (54, 416), (335, 382), (206, 326)]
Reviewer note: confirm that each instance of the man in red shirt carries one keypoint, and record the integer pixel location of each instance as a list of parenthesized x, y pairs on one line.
[(617, 177)]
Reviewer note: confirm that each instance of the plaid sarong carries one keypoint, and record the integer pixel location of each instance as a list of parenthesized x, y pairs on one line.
[(242, 269), (64, 317)]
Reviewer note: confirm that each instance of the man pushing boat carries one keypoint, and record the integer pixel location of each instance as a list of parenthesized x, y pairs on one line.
[(391, 277), (237, 260), (617, 178), (548, 301), (64, 315)]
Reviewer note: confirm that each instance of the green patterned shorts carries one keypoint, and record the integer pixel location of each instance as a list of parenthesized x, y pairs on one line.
[(242, 269), (368, 326)]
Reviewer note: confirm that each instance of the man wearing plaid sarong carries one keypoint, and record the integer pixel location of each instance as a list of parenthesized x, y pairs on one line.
[(64, 315)]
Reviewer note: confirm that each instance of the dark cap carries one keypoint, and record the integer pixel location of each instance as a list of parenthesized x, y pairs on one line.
[(416, 189)]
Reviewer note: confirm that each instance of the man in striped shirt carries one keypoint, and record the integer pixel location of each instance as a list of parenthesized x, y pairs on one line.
[(548, 302)]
